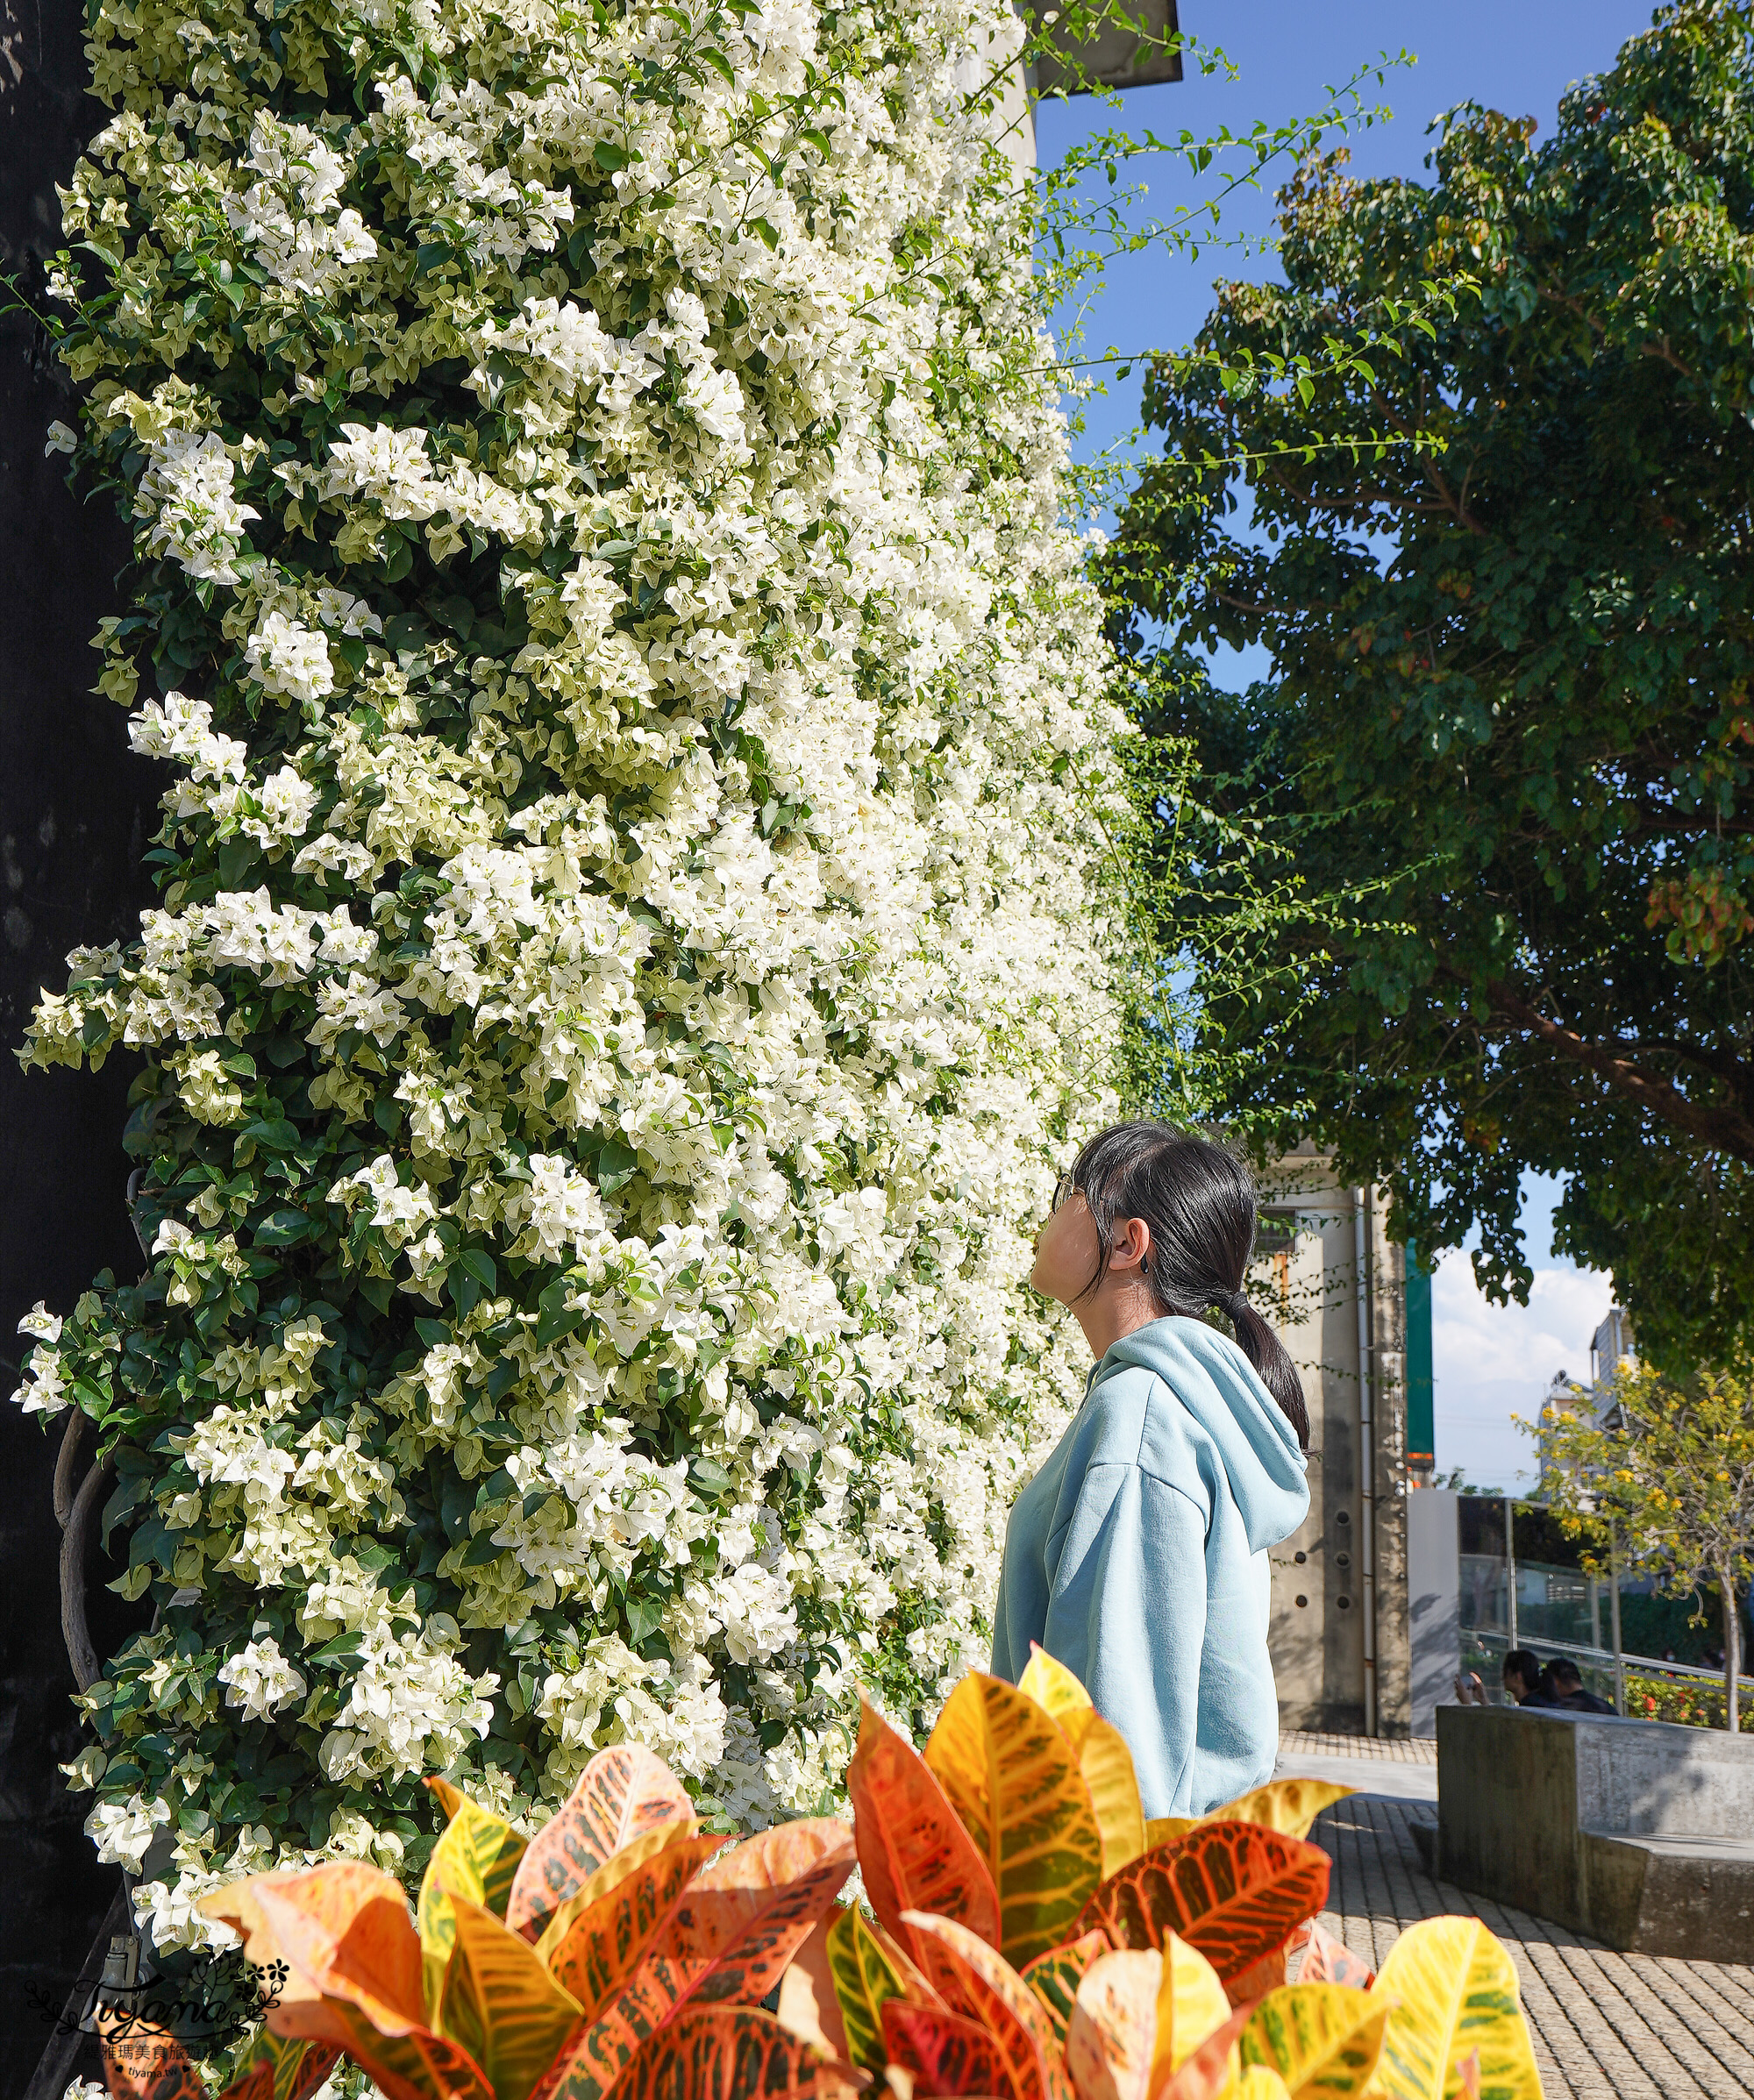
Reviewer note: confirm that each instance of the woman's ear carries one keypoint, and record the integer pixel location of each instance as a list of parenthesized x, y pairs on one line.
[(1130, 1245)]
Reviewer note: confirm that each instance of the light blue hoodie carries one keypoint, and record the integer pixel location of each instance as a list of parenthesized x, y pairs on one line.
[(1138, 1556)]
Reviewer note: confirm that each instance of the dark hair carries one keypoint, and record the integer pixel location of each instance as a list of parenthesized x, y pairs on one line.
[(1201, 1207), (1565, 1671), (1525, 1664)]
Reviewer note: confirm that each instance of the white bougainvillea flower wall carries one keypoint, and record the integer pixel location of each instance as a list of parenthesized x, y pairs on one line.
[(630, 949)]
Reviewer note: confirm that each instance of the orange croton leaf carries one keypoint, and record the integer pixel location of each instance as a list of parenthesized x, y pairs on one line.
[(809, 2005), (1327, 1960), (729, 1940), (731, 2053), (1268, 1973), (981, 1985), (418, 2065), (621, 1794), (354, 1982), (344, 1932), (946, 2053), (283, 2069), (142, 2061), (595, 1940), (914, 1851), (1234, 1890)]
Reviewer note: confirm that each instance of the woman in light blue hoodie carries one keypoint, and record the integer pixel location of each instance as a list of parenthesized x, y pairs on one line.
[(1138, 1556)]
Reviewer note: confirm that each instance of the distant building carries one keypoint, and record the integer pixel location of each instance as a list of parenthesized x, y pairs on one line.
[(1610, 1347)]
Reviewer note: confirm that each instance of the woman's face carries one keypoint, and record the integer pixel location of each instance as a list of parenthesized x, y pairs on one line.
[(1068, 1251)]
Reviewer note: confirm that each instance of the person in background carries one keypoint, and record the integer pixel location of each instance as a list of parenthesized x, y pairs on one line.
[(1569, 1691), (1522, 1675)]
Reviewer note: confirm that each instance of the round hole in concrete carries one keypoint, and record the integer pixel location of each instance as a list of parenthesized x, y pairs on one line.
[(1301, 1602), (1344, 1602)]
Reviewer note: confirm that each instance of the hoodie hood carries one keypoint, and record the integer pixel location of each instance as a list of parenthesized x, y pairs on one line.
[(1223, 1392)]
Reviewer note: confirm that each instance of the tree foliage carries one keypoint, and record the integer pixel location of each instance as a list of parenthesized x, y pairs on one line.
[(1504, 748), (1667, 1481)]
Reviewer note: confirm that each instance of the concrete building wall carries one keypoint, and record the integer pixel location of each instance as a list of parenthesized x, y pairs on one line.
[(1339, 1585)]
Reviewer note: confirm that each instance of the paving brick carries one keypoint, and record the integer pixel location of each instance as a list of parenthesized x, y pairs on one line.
[(1605, 2027)]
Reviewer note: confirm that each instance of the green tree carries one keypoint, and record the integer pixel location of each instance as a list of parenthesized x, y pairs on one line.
[(1505, 746), (1668, 1480)]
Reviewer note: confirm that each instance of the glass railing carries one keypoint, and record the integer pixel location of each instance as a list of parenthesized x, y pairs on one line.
[(1564, 1612)]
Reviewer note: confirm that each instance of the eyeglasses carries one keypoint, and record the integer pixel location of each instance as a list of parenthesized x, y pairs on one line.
[(1064, 1190)]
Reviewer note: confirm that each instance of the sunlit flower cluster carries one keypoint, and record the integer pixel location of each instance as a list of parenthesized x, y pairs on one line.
[(631, 952)]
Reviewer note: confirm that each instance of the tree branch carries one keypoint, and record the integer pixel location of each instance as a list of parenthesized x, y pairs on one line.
[(1725, 1127)]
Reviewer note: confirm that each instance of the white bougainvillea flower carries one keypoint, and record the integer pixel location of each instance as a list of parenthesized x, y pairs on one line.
[(632, 945)]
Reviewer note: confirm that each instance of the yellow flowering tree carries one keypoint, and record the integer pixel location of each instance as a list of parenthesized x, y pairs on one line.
[(1669, 1478)]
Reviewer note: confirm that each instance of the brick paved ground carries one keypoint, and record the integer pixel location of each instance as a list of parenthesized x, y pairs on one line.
[(1309, 1743), (1607, 2027)]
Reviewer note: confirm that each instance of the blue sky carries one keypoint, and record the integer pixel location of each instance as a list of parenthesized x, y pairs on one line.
[(1490, 1362)]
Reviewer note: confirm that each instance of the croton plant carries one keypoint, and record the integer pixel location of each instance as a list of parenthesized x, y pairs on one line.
[(1025, 1934)]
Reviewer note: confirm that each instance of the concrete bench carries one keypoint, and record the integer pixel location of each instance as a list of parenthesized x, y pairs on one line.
[(1640, 1833)]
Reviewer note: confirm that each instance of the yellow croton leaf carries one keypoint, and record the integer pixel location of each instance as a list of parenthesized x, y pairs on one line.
[(1456, 1993), (1192, 2005), (1323, 2039), (1103, 1758), (1287, 1805), (1052, 1686), (500, 2002), (476, 1858), (1012, 1778)]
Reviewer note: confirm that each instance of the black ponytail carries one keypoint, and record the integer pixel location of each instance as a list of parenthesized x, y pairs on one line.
[(1201, 1205)]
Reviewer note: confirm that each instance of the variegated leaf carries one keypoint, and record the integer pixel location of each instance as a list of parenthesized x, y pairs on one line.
[(1112, 2033), (1191, 2006), (596, 1939), (945, 2052), (476, 1859), (982, 1985), (867, 1968), (1012, 1778), (731, 2053), (1289, 1806), (1456, 1993), (1232, 1889), (1327, 1960), (501, 2003), (914, 1851), (1051, 1685), (727, 1942), (1211, 2070), (621, 1794), (1105, 1766), (1054, 1977), (1323, 2038)]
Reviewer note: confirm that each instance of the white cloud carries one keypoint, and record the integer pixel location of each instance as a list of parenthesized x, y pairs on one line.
[(1491, 1362)]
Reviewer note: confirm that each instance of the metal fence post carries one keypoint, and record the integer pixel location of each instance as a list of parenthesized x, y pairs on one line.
[(1619, 1658), (1510, 1571)]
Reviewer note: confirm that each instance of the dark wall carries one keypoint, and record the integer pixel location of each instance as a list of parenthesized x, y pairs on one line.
[(76, 810)]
